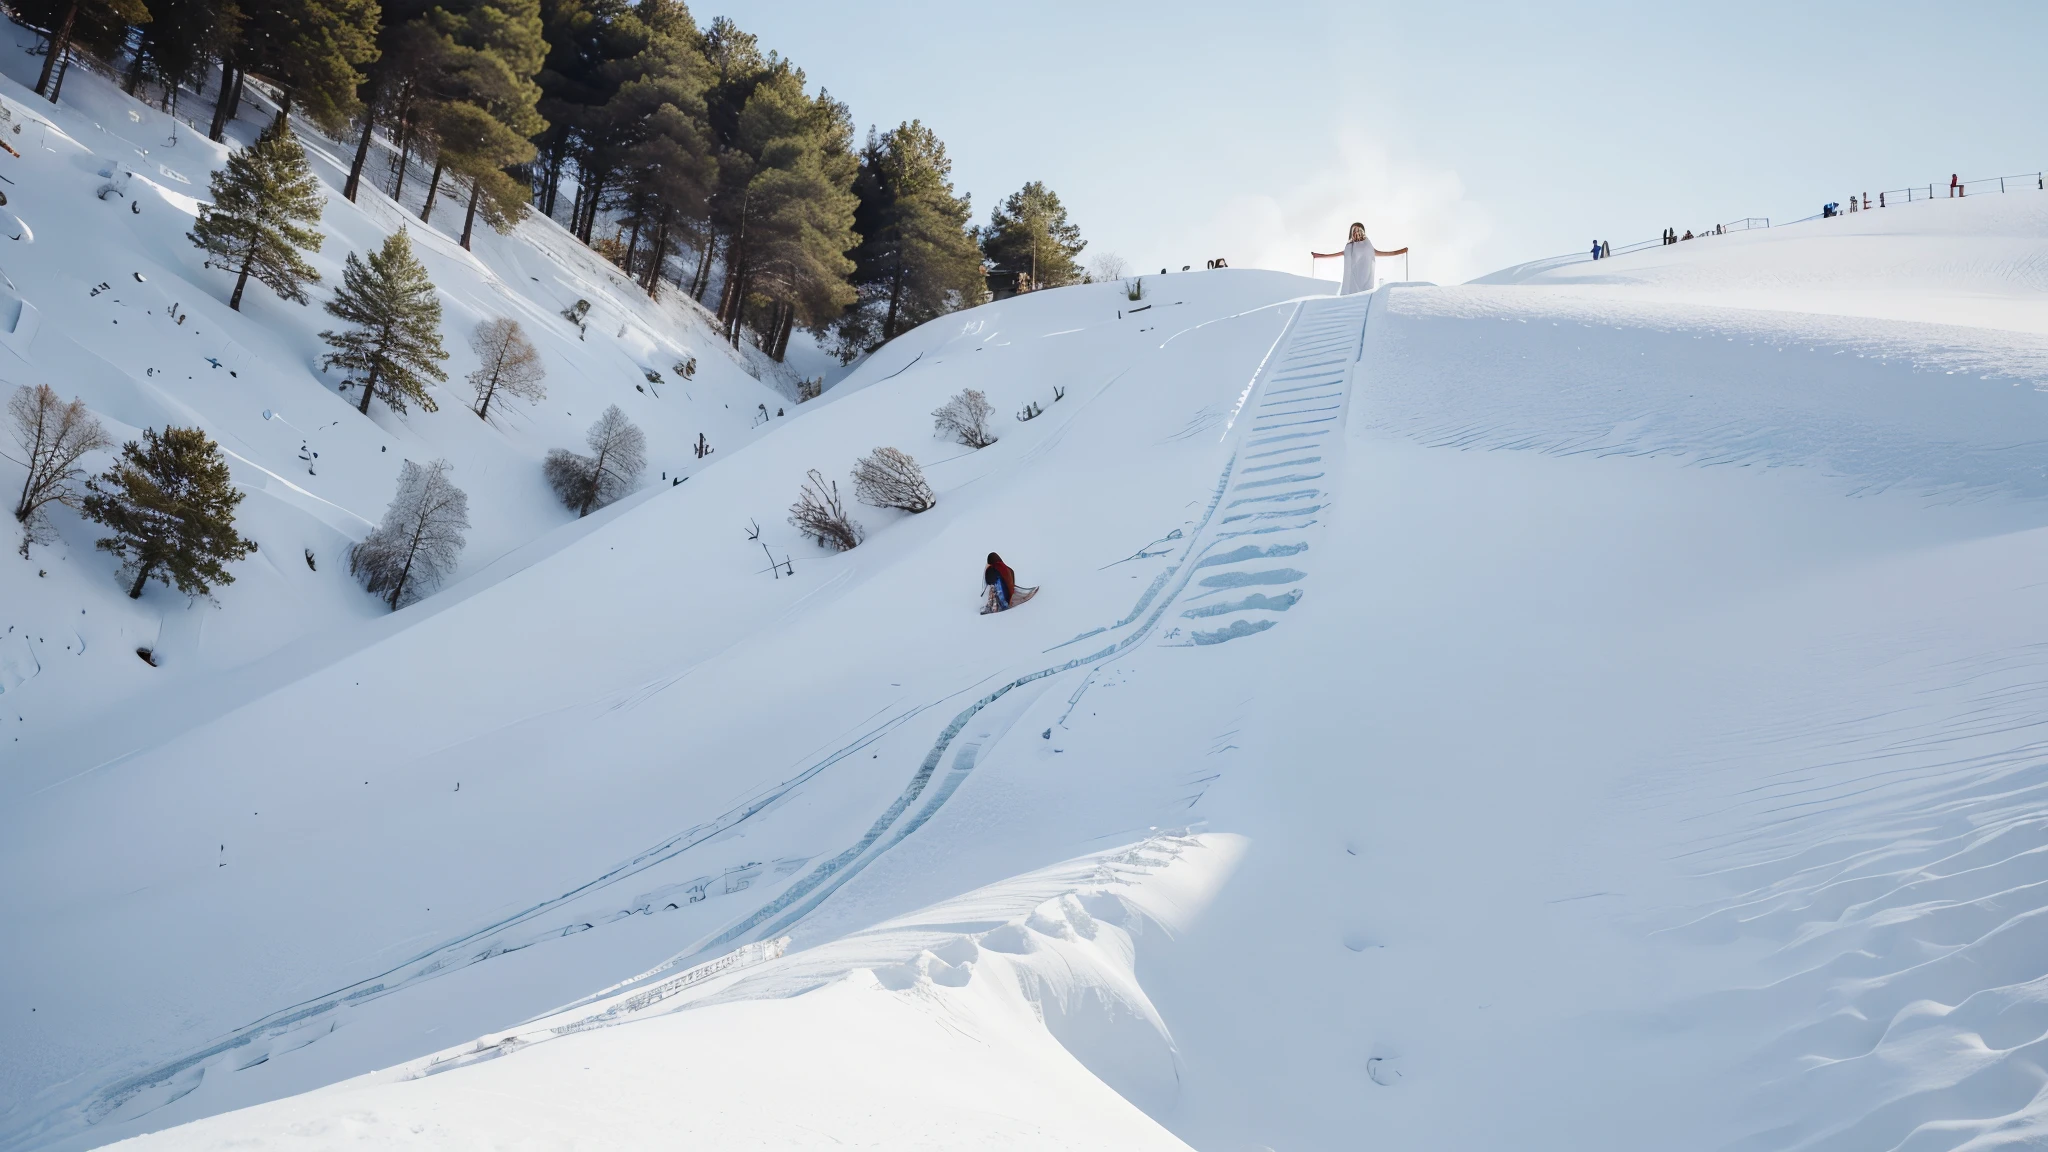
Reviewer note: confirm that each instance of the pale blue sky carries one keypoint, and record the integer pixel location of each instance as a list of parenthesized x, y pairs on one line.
[(1482, 132)]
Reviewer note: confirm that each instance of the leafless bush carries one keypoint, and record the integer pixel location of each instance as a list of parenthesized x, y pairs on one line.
[(1107, 266), (53, 436), (418, 542), (509, 364), (965, 418), (819, 514), (618, 451), (889, 478)]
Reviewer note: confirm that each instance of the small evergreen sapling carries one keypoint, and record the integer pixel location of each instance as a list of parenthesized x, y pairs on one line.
[(509, 364), (965, 418), (618, 451), (819, 514), (170, 505), (420, 539), (264, 203), (393, 345), (53, 436), (889, 478)]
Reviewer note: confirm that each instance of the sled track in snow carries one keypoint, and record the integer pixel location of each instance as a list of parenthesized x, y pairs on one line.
[(1322, 342)]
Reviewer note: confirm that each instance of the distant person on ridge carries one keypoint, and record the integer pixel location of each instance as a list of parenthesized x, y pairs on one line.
[(1358, 256)]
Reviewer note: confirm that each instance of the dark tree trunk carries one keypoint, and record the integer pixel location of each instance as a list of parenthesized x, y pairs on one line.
[(895, 300), (782, 336), (60, 43), (135, 71), (235, 100), (701, 282), (404, 161), (590, 208), (241, 282), (369, 390), (469, 217), (652, 280), (220, 102), (551, 185), (63, 70), (433, 190), (141, 577), (632, 247), (355, 169)]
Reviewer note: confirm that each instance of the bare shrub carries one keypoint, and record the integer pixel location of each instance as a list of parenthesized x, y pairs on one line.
[(618, 451), (419, 541), (1107, 266), (509, 364), (53, 436), (819, 514), (889, 478), (965, 418)]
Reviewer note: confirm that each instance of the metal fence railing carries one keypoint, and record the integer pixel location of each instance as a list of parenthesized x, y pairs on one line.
[(2024, 181)]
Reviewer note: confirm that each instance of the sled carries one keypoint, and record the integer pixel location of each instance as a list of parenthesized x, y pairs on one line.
[(988, 602)]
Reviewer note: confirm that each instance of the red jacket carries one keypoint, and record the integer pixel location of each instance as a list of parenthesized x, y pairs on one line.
[(997, 570)]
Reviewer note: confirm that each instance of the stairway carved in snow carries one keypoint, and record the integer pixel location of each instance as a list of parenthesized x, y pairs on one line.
[(1250, 563)]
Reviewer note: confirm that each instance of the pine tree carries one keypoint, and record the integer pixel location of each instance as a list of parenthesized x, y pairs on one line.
[(65, 19), (487, 113), (393, 344), (418, 543), (316, 49), (53, 436), (575, 82), (788, 261), (507, 362), (668, 170), (390, 79), (618, 451), (170, 505), (262, 201), (175, 47), (1029, 234), (918, 257)]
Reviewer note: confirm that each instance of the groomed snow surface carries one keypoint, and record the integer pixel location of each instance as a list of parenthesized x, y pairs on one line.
[(1595, 711)]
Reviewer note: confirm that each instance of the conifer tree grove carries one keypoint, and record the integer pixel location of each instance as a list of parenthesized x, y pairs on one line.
[(170, 506), (181, 38), (263, 201), (918, 257), (392, 347), (406, 51), (485, 114), (666, 164), (1029, 234), (788, 261), (317, 49), (117, 13)]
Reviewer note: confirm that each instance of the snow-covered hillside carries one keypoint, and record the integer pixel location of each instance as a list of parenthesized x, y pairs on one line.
[(1594, 711), (107, 300)]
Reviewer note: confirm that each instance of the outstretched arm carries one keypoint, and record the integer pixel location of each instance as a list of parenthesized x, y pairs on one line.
[(1325, 255), (1395, 252)]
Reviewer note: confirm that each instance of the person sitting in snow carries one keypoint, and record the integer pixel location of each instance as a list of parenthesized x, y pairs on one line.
[(1000, 580)]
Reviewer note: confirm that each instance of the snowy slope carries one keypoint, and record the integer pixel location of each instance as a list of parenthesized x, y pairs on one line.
[(1541, 715), (70, 633)]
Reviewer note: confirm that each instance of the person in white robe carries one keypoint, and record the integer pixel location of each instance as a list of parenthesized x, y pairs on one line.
[(1358, 257)]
